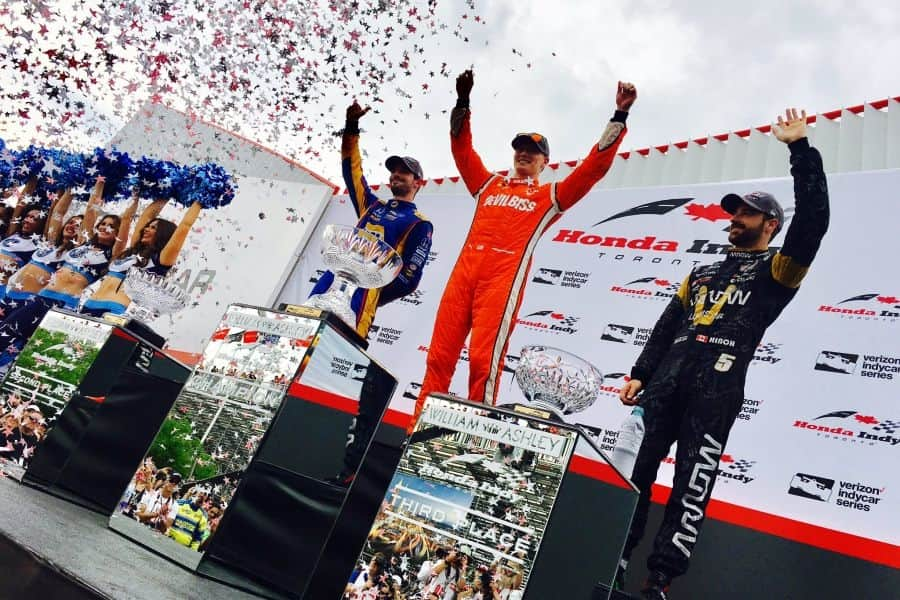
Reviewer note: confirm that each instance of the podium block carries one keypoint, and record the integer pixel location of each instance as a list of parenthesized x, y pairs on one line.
[(487, 494), (89, 396), (264, 421)]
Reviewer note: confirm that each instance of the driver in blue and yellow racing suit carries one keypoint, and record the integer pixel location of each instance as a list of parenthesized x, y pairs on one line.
[(399, 223), (695, 363)]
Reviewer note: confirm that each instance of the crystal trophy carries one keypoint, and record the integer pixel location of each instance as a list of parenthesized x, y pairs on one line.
[(358, 259)]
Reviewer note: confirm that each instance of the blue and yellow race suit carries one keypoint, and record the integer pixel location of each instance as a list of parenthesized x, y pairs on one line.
[(397, 222)]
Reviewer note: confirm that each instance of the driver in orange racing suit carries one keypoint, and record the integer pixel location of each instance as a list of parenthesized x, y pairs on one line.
[(485, 287)]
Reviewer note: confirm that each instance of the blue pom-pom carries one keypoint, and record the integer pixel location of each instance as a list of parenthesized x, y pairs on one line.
[(29, 164), (157, 179), (116, 168), (61, 170), (8, 160), (209, 184)]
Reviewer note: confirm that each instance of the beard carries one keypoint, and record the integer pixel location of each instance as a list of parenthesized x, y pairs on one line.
[(399, 188), (745, 237)]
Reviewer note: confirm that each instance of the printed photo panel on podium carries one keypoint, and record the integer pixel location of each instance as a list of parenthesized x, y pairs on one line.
[(183, 487), (469, 503), (40, 383)]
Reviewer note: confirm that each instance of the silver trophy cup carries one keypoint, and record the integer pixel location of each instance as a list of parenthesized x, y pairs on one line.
[(152, 295), (358, 259), (557, 381)]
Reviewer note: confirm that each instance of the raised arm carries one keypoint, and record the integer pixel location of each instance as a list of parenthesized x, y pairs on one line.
[(125, 226), (351, 161), (91, 211), (598, 162), (811, 210), (169, 254), (148, 214), (414, 254), (16, 219), (57, 211), (472, 170)]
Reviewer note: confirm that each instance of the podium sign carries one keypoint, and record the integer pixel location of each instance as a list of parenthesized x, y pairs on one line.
[(189, 476), (41, 382), (473, 493)]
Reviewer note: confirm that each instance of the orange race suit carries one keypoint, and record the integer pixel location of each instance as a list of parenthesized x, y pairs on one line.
[(485, 288)]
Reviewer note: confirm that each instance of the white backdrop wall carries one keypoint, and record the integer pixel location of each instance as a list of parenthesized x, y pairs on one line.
[(240, 253), (820, 426)]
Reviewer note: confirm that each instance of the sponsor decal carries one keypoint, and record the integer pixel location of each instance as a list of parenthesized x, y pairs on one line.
[(510, 201), (550, 321), (866, 307), (510, 363), (414, 298), (691, 208), (694, 498), (874, 366), (767, 353), (749, 409), (387, 336), (605, 438), (412, 390), (852, 426), (561, 278), (851, 495), (647, 288), (731, 469), (613, 382), (813, 487)]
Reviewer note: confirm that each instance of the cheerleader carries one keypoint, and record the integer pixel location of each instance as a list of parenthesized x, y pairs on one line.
[(154, 248)]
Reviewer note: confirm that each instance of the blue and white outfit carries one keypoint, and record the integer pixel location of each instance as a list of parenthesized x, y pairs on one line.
[(20, 323), (119, 269), (19, 248), (48, 258)]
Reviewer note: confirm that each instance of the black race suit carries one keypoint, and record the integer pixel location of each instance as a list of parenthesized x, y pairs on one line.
[(695, 363)]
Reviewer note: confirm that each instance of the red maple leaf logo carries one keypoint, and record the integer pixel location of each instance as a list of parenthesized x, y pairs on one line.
[(888, 299), (726, 458), (867, 419), (711, 212), (557, 316), (661, 282)]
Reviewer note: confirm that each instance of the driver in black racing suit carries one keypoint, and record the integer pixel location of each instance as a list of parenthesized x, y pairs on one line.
[(695, 363)]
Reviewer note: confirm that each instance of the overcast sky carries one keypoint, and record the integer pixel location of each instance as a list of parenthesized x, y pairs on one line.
[(700, 68)]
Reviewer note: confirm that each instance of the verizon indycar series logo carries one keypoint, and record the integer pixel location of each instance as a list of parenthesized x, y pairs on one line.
[(874, 366), (852, 426), (626, 334), (866, 307), (647, 288), (384, 335), (659, 248), (560, 277), (852, 495), (749, 409), (550, 320)]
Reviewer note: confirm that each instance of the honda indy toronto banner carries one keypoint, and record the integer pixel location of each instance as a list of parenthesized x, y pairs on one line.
[(820, 420)]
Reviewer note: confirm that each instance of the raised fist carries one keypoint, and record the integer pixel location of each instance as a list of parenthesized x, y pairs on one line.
[(464, 83), (626, 94), (355, 111)]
